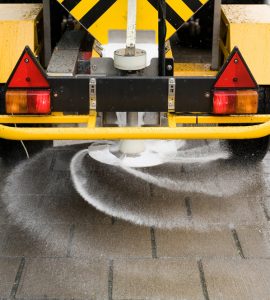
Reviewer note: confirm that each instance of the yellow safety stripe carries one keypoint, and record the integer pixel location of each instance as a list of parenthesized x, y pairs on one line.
[(84, 6), (181, 8)]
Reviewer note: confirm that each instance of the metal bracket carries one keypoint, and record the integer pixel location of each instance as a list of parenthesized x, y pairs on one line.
[(98, 48), (93, 93), (216, 36), (171, 94)]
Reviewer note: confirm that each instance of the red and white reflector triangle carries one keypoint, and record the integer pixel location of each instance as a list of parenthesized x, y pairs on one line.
[(28, 73), (235, 73)]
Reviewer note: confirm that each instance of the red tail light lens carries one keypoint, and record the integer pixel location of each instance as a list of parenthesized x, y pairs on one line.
[(224, 102), (235, 102), (28, 102), (39, 102)]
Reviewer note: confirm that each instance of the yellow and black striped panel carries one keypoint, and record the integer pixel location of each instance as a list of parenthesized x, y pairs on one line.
[(101, 16), (179, 11)]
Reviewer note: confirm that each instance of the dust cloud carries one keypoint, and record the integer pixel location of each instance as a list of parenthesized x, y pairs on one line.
[(41, 199), (154, 196)]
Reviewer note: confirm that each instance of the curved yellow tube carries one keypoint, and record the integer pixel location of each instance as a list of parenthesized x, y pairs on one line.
[(118, 133)]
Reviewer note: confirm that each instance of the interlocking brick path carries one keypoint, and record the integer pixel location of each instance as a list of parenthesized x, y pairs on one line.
[(86, 254)]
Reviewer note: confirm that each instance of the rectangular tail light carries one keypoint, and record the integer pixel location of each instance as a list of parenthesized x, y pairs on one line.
[(235, 102), (28, 102), (224, 102), (247, 102)]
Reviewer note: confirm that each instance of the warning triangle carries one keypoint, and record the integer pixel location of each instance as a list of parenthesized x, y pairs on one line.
[(28, 73), (235, 73)]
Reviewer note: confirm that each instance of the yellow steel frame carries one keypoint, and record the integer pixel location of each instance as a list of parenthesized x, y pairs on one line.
[(259, 126), (247, 27)]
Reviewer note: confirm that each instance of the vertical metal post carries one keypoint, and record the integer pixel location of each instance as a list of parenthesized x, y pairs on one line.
[(47, 31), (216, 35), (161, 36), (131, 28), (132, 119)]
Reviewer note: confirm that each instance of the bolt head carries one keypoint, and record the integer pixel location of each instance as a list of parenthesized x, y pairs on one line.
[(207, 95)]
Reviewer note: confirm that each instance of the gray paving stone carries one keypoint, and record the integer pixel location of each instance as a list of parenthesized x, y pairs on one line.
[(64, 279), (19, 242), (60, 184), (165, 209), (235, 210), (189, 243), (156, 279), (69, 210), (31, 177), (254, 241), (266, 165), (3, 214), (266, 179), (111, 241), (2, 235), (266, 206), (20, 207), (8, 270), (61, 160), (4, 171), (237, 279)]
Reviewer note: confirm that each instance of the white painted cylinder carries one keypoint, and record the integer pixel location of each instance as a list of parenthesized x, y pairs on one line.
[(130, 63), (132, 147)]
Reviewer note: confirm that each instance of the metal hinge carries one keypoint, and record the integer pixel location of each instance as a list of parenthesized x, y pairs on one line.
[(98, 48), (171, 95), (93, 94)]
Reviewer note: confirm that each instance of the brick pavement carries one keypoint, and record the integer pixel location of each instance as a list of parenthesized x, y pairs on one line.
[(84, 254)]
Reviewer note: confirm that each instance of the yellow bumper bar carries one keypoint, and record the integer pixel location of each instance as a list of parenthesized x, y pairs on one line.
[(91, 132)]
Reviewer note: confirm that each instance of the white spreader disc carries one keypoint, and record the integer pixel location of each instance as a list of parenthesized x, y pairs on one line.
[(155, 153)]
